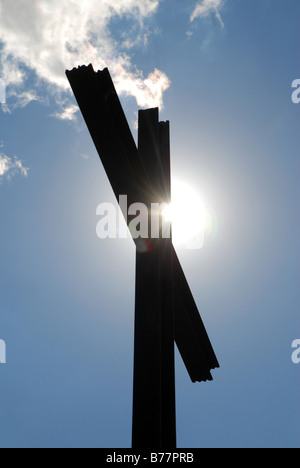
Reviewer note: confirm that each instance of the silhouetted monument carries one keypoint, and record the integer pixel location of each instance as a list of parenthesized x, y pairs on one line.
[(165, 308)]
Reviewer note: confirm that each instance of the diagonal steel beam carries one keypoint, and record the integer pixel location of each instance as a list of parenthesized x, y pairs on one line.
[(109, 129)]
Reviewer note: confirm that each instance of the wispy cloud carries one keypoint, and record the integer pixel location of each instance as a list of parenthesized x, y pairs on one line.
[(68, 113), (5, 109), (206, 7), (42, 38), (11, 166), (21, 98)]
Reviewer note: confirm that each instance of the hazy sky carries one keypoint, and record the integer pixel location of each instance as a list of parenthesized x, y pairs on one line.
[(222, 73)]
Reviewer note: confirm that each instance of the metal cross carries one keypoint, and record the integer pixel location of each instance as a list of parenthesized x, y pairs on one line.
[(165, 309)]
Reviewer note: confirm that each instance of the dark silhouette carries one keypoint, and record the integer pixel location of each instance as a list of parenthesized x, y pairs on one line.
[(165, 308)]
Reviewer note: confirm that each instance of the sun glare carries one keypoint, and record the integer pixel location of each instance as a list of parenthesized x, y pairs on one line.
[(188, 215)]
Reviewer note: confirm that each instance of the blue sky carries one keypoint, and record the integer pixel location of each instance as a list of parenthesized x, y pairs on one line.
[(67, 298)]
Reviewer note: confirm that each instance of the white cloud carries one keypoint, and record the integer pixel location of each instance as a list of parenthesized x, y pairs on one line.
[(49, 36), (5, 109), (26, 97), (206, 7), (11, 166), (68, 113), (23, 98), (148, 92)]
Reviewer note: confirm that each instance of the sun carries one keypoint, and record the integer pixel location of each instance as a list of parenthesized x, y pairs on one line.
[(188, 216)]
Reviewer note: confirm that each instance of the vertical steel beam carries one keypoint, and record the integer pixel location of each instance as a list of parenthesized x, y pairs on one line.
[(147, 403), (154, 420)]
